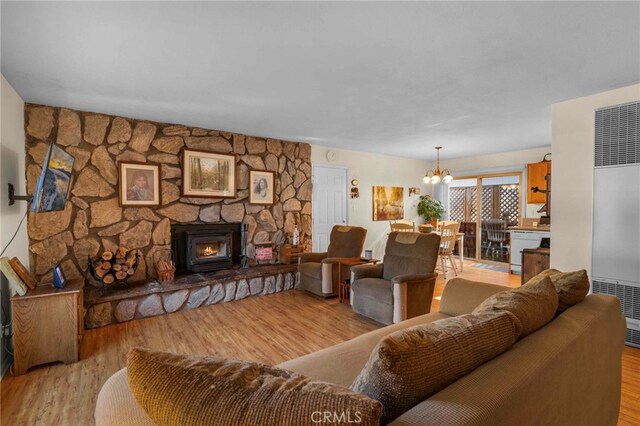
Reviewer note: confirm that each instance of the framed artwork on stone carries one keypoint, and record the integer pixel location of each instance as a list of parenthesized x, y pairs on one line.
[(261, 187), (388, 202), (208, 174), (139, 184)]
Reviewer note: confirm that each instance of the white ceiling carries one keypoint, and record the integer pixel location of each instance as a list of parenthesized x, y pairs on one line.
[(392, 78)]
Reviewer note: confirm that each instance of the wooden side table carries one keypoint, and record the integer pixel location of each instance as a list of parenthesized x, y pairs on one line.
[(534, 261), (344, 286), (48, 324), (290, 253)]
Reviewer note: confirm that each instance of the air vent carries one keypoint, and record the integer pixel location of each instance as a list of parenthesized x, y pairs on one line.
[(629, 304), (633, 338), (617, 135)]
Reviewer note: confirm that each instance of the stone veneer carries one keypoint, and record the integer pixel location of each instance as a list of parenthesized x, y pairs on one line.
[(114, 305), (93, 221)]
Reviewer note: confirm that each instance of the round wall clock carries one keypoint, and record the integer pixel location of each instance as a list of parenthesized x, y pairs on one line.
[(331, 155)]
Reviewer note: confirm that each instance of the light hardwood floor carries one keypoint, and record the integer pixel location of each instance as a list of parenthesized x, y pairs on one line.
[(269, 329)]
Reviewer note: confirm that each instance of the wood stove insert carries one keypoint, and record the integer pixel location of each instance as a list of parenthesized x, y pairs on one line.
[(203, 248)]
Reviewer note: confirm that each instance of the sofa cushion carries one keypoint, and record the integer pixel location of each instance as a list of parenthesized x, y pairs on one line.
[(377, 288), (197, 390), (341, 363), (534, 304), (572, 287), (311, 269), (409, 365)]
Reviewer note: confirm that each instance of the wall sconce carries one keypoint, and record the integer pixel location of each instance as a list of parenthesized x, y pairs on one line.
[(355, 192), (414, 191)]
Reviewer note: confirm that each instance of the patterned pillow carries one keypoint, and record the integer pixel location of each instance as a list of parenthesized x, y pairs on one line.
[(534, 304), (198, 390), (408, 366), (572, 287)]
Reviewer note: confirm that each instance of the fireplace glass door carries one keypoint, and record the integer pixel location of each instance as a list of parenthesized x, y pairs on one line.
[(211, 250), (207, 251)]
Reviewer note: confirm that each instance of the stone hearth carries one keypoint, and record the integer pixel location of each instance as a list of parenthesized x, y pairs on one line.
[(110, 305)]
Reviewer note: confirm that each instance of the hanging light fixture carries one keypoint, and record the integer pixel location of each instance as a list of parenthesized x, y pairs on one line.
[(437, 175)]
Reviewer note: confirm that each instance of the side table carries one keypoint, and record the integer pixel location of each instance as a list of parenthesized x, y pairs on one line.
[(344, 288), (48, 324), (290, 253)]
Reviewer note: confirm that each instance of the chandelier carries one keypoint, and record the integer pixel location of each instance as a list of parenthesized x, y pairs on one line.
[(437, 175)]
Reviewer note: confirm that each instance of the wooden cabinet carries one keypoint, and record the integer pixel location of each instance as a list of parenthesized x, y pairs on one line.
[(534, 261), (47, 325), (536, 173), (289, 253)]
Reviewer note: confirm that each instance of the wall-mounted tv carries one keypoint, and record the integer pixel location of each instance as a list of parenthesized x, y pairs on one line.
[(54, 183)]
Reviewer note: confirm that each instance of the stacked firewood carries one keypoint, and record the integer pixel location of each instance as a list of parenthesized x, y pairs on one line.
[(118, 266)]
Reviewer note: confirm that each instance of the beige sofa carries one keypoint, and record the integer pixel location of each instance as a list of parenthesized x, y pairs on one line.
[(567, 373)]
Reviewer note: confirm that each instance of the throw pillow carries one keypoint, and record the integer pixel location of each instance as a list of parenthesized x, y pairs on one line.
[(534, 304), (572, 287), (200, 390), (408, 366)]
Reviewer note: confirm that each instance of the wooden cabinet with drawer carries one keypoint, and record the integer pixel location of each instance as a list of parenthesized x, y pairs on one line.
[(536, 173), (534, 261), (290, 253), (48, 325)]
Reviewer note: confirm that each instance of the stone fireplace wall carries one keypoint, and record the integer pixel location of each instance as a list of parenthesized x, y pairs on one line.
[(93, 221)]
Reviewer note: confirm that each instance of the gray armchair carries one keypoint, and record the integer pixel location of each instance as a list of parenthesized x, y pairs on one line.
[(319, 271), (402, 286)]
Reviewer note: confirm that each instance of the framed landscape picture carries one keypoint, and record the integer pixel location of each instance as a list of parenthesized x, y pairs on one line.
[(139, 184), (261, 187), (388, 202), (208, 174)]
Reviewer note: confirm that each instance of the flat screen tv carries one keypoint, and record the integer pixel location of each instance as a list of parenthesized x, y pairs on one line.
[(54, 183)]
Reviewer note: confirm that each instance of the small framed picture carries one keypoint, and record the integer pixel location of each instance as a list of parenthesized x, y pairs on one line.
[(139, 184), (58, 277), (264, 252), (261, 187), (208, 174)]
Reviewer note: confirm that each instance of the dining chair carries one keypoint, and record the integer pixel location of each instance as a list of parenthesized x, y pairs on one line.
[(402, 226), (448, 238), (442, 223), (496, 234)]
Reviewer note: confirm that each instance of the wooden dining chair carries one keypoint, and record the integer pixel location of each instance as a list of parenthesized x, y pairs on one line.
[(496, 235), (448, 237), (402, 226)]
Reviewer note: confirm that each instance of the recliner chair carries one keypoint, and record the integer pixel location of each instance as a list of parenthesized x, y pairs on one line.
[(402, 286), (319, 271)]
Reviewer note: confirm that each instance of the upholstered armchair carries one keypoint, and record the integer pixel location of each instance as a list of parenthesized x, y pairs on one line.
[(402, 286), (319, 271)]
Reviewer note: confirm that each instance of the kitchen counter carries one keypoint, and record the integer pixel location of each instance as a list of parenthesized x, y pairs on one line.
[(543, 228)]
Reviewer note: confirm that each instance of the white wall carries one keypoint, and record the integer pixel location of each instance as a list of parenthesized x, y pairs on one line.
[(573, 126), (375, 170), (501, 162), (12, 170)]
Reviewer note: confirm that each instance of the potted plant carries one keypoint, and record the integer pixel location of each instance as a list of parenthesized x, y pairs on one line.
[(430, 210)]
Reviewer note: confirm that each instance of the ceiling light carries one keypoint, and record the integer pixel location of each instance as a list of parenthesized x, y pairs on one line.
[(435, 176)]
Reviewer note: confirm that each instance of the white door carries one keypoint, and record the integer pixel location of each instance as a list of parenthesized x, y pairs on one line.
[(329, 203)]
